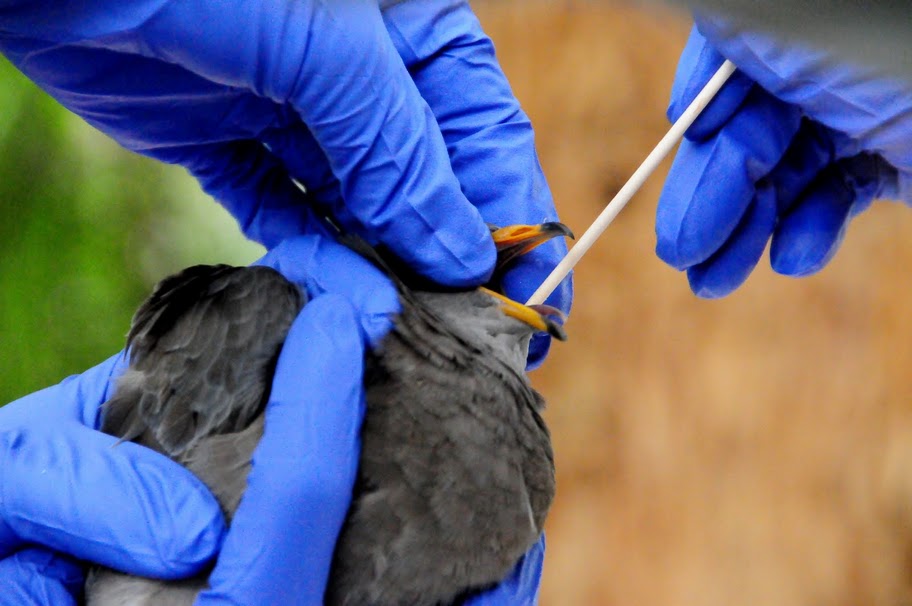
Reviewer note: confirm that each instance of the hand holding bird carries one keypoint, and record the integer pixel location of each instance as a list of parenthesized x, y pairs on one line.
[(456, 469)]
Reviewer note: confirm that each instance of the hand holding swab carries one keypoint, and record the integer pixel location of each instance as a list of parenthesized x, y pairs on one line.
[(601, 223)]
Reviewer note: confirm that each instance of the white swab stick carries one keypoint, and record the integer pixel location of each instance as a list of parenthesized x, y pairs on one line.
[(636, 181)]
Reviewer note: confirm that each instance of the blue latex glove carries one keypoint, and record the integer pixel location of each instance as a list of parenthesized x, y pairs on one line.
[(349, 101), (795, 145)]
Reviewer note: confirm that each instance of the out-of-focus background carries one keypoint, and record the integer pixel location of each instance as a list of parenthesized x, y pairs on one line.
[(755, 450)]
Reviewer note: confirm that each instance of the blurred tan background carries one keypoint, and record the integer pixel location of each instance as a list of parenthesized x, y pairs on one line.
[(755, 450)]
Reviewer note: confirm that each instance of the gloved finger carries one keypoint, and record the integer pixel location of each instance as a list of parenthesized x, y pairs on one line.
[(848, 98), (811, 151), (252, 185), (521, 587), (808, 237), (67, 487), (304, 468), (101, 84), (489, 138), (712, 183), (323, 266), (730, 266), (37, 577), (698, 62)]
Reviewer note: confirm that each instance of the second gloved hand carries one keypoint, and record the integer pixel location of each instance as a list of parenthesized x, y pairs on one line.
[(795, 144)]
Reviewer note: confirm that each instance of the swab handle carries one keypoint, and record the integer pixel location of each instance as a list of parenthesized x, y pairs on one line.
[(601, 223)]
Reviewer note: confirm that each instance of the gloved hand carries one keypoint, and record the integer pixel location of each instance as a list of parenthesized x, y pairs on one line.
[(794, 145), (67, 494), (246, 95)]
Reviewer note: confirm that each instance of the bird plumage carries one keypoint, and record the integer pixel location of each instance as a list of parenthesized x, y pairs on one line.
[(203, 349), (456, 472)]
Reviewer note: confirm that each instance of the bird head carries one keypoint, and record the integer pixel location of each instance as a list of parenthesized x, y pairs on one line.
[(511, 243)]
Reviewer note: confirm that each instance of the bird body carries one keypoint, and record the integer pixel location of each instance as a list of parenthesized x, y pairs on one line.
[(456, 472)]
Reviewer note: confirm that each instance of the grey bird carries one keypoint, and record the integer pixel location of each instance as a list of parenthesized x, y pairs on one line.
[(455, 477)]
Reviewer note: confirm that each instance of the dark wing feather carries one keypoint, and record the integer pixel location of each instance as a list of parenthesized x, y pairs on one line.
[(202, 353)]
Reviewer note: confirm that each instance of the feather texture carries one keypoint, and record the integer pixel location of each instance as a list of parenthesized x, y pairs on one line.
[(456, 472)]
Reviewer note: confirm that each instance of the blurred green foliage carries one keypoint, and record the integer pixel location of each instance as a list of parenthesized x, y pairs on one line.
[(86, 230)]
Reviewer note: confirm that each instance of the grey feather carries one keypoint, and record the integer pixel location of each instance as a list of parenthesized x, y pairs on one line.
[(202, 353), (456, 472)]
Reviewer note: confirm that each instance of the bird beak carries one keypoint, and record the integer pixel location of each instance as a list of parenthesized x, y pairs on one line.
[(516, 240), (539, 317)]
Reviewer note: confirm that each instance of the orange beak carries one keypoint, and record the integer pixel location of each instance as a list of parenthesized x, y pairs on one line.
[(514, 241)]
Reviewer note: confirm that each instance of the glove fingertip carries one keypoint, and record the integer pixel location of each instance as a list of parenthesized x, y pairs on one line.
[(699, 62), (809, 236), (142, 513), (322, 265), (799, 256), (706, 285), (178, 514)]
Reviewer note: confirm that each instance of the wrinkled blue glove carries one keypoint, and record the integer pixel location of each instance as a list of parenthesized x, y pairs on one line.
[(349, 101), (795, 145), (66, 494)]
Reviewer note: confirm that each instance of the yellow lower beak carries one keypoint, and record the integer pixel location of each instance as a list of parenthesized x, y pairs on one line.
[(538, 317)]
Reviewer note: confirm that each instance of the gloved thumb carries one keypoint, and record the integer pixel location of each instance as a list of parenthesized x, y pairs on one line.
[(304, 468)]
